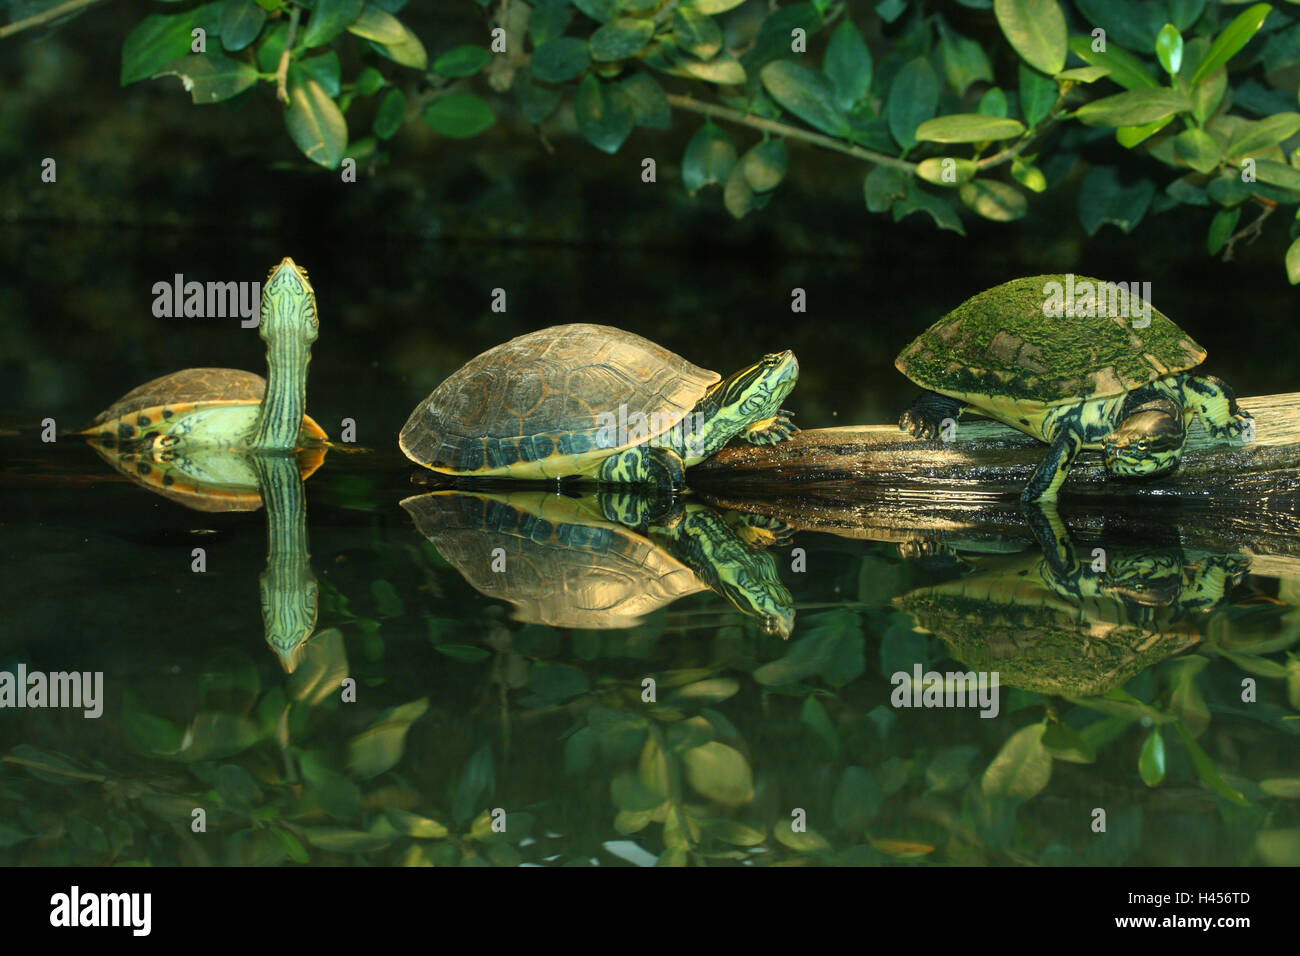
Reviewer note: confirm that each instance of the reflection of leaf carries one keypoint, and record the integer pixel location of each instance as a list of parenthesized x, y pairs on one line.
[(1151, 761), (340, 840), (720, 773), (1286, 787), (1022, 767), (237, 787), (902, 849), (1279, 847), (1065, 743), (477, 778), (1207, 771), (808, 841), (857, 799), (814, 716), (950, 768)]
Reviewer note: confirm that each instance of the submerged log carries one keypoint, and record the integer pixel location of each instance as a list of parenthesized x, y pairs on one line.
[(988, 458)]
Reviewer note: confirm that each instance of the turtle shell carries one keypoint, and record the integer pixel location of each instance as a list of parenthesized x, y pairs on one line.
[(529, 407), (152, 406), (1003, 343)]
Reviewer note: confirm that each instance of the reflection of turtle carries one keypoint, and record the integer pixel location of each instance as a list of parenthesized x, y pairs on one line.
[(568, 561), (1048, 623), (1072, 381), (593, 401), (221, 408)]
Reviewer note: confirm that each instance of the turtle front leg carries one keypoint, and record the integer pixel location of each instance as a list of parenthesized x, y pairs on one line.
[(1216, 406), (644, 465), (926, 417), (1046, 481), (769, 431)]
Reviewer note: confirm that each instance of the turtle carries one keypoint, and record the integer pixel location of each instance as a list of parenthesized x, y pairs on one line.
[(596, 402), (205, 409), (1075, 380), (569, 560)]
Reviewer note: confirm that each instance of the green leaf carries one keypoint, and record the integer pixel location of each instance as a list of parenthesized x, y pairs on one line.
[(464, 60), (159, 39), (1278, 174), (1133, 108), (1037, 94), (938, 209), (547, 20), (560, 60), (697, 34), (537, 101), (1125, 69), (950, 768), (340, 840), (315, 123), (391, 37), (1084, 74), (994, 200), (1293, 262), (459, 115), (720, 773), (621, 38), (807, 94), (1151, 762), (328, 19), (1103, 199), (1036, 30), (964, 61), (968, 128), (764, 166), (241, 22), (370, 81), (1130, 136), (646, 98), (1028, 175), (388, 120), (1230, 41), (912, 100), (1169, 51), (802, 841), (1252, 137), (993, 103), (946, 170), (1208, 94), (847, 65), (557, 682), (723, 69), (1288, 788), (465, 653), (1198, 149), (712, 6), (708, 159), (1022, 767), (210, 77), (414, 825), (882, 186), (324, 68), (601, 11), (604, 113), (1222, 226)]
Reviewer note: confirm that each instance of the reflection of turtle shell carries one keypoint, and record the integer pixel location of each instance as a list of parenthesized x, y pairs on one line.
[(1008, 620), (530, 407), (565, 564)]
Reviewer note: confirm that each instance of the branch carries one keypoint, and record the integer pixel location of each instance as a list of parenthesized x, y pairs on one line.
[(45, 16), (282, 71), (793, 132)]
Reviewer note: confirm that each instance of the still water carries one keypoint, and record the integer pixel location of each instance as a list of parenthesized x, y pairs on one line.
[(349, 678)]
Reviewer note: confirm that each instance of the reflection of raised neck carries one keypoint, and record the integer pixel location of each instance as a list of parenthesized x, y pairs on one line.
[(288, 585), (284, 404)]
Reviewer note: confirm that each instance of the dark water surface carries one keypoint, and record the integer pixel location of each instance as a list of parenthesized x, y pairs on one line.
[(1164, 699)]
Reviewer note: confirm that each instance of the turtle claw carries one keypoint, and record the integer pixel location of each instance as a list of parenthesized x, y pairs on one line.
[(1240, 429), (919, 425), (772, 430)]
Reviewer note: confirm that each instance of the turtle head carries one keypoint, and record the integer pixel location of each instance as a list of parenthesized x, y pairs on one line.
[(756, 393), (1147, 443), (753, 586), (288, 307), (290, 598), (289, 326)]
